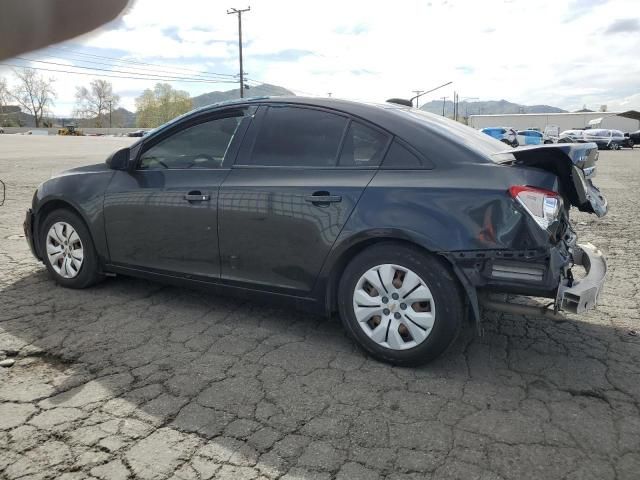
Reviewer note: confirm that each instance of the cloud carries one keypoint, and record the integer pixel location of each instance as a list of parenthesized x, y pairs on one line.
[(579, 8), (289, 55), (624, 25), (373, 51), (351, 29)]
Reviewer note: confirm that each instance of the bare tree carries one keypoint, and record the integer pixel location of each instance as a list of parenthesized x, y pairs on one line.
[(4, 94), (34, 93), (97, 101)]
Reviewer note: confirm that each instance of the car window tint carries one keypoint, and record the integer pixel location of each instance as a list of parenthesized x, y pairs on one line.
[(362, 147), (400, 157), (299, 137), (200, 146)]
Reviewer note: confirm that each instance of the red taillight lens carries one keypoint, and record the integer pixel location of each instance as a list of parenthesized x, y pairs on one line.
[(543, 205)]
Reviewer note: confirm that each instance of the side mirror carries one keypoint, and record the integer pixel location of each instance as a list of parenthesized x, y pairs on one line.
[(119, 160)]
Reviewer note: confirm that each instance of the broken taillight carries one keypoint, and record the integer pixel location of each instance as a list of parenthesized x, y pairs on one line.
[(543, 205)]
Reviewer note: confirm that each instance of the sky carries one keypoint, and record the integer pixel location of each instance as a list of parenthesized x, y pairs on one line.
[(562, 53)]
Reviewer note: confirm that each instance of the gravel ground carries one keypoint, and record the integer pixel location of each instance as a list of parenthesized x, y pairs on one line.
[(132, 379)]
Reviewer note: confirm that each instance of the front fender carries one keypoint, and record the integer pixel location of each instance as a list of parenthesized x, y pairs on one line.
[(80, 192)]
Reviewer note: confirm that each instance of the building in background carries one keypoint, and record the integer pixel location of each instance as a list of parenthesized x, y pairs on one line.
[(628, 121)]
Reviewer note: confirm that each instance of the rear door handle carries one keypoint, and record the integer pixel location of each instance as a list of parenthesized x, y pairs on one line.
[(323, 197), (196, 196)]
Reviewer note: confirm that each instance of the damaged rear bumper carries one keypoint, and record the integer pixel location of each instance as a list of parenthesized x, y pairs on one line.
[(578, 296), (527, 273)]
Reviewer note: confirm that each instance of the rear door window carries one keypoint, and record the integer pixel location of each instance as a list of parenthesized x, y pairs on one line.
[(363, 146), (297, 137)]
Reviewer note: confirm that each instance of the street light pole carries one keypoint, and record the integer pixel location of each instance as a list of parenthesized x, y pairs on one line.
[(428, 91), (235, 11), (444, 99)]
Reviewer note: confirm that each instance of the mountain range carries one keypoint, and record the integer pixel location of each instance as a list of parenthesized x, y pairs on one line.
[(491, 107), (122, 117), (258, 91)]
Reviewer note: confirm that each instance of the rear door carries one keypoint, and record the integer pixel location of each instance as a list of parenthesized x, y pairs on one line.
[(296, 180), (162, 216)]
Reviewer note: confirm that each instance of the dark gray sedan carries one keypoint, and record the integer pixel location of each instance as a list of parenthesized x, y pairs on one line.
[(399, 220)]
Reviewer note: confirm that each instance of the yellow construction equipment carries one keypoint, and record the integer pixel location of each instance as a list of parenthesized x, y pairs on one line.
[(70, 130)]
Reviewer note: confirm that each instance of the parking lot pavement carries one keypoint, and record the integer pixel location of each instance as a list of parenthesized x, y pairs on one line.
[(138, 379)]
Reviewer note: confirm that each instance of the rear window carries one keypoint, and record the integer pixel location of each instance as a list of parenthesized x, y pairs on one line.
[(473, 139)]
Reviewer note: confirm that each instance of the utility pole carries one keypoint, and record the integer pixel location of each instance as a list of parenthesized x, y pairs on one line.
[(235, 11), (110, 102), (444, 100), (417, 97)]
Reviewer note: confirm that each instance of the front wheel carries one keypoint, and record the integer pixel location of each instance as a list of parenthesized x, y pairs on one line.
[(401, 305), (68, 251)]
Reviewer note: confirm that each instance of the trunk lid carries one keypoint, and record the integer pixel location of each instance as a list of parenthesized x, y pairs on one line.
[(573, 163)]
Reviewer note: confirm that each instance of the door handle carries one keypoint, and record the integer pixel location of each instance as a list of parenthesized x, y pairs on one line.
[(323, 197), (196, 196)]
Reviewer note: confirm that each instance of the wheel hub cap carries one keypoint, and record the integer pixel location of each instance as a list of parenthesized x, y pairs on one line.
[(64, 250), (394, 307)]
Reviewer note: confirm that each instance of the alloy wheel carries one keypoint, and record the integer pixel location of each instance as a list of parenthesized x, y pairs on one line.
[(64, 250), (394, 307)]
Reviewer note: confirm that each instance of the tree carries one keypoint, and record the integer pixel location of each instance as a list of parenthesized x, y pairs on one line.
[(4, 94), (34, 93), (96, 101), (158, 106)]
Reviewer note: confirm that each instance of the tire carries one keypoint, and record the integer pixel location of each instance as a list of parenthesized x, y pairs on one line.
[(68, 271), (548, 142), (630, 143), (376, 334)]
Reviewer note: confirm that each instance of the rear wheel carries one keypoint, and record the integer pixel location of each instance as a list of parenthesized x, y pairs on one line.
[(630, 143), (68, 251), (400, 305)]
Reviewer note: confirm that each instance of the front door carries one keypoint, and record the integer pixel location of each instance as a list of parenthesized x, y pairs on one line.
[(295, 182), (162, 217)]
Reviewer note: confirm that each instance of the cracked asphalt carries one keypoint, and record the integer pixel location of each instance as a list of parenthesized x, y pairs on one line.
[(132, 379)]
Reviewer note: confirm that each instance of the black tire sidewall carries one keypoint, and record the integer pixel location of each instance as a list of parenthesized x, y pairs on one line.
[(440, 280), (88, 274)]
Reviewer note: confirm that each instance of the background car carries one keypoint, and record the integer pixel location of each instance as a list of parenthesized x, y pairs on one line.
[(609, 139), (571, 136), (532, 137), (137, 133), (504, 134), (633, 139)]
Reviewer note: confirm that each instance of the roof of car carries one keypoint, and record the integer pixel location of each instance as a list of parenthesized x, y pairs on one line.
[(430, 134)]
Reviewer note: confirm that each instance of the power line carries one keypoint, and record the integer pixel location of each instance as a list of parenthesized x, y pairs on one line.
[(153, 77), (125, 60), (110, 76), (142, 69)]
